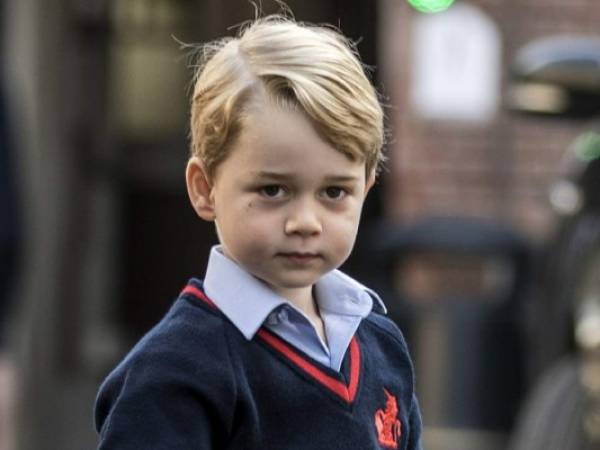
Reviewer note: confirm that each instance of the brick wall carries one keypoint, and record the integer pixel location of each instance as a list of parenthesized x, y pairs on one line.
[(501, 170)]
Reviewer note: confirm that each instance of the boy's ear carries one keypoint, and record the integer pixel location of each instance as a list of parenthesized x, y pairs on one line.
[(199, 189)]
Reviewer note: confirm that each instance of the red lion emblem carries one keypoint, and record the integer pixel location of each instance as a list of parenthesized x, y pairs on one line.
[(389, 428)]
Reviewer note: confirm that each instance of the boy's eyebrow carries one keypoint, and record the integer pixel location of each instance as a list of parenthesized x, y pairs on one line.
[(342, 178), (275, 175), (335, 178)]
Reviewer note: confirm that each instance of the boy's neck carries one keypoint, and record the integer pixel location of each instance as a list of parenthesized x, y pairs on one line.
[(303, 299)]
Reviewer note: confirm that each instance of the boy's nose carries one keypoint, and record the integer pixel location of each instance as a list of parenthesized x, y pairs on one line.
[(303, 220)]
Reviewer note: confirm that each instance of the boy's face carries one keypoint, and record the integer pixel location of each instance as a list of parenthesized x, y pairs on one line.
[(285, 202)]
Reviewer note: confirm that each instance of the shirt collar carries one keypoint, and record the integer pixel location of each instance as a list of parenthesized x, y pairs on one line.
[(247, 302), (341, 294), (243, 298)]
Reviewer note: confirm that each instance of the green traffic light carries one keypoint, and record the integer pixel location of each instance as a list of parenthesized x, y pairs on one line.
[(430, 6)]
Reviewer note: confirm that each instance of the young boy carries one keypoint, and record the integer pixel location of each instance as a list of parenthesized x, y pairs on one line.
[(275, 349)]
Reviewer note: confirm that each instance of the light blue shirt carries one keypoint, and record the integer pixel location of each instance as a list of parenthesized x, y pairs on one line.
[(249, 303)]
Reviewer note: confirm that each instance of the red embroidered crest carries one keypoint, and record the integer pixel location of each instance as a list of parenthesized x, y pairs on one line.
[(389, 428)]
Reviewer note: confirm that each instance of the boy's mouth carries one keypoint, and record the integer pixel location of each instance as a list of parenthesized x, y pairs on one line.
[(300, 257)]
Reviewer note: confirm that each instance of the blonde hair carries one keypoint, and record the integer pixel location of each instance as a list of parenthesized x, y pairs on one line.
[(313, 68)]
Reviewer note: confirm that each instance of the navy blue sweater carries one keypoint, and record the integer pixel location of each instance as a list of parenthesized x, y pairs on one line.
[(194, 382)]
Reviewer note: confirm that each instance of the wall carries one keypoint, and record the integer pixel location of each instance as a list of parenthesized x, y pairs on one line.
[(501, 170)]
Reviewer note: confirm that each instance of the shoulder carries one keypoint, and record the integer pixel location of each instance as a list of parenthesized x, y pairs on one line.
[(190, 333), (385, 329), (172, 385), (187, 348)]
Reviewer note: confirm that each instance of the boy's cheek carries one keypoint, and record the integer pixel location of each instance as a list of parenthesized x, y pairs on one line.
[(350, 217)]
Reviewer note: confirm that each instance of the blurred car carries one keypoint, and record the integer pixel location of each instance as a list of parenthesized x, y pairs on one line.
[(559, 77)]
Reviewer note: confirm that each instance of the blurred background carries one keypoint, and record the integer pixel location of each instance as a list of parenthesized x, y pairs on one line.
[(483, 233)]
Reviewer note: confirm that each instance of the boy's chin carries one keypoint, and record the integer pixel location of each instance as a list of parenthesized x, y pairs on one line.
[(292, 283), (292, 279)]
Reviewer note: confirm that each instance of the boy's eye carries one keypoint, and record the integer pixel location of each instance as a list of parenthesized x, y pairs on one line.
[(272, 191), (335, 192)]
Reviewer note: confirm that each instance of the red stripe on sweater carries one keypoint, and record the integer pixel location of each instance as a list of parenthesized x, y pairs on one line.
[(347, 393), (189, 289), (354, 368)]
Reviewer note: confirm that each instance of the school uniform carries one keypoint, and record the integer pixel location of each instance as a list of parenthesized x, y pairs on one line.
[(234, 366)]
